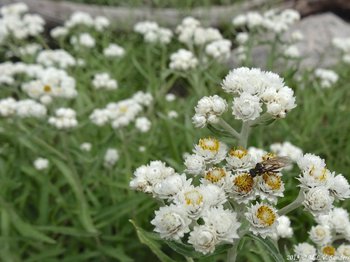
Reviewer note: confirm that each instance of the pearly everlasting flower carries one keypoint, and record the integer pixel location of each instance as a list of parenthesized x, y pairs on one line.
[(262, 219), (113, 50), (7, 107), (339, 187), (142, 98), (29, 108), (212, 150), (314, 171), (287, 149), (111, 157), (339, 220), (173, 114), (104, 81), (328, 252), (214, 195), (344, 252), (203, 238), (183, 60), (195, 164), (292, 51), (317, 200), (101, 23), (100, 116), (153, 33), (171, 222), (192, 200), (58, 32), (224, 222), (242, 38), (171, 185), (320, 235), (246, 107), (86, 147), (243, 188), (208, 110), (65, 118), (41, 163), (327, 78), (29, 49), (79, 18), (239, 159), (218, 176), (83, 40), (270, 186), (143, 124), (283, 229), (305, 252), (59, 57), (170, 97), (147, 177), (219, 49)]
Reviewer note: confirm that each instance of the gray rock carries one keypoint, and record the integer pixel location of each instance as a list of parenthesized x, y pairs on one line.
[(316, 47)]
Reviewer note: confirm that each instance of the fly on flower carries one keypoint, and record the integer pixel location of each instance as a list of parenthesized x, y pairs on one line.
[(273, 164)]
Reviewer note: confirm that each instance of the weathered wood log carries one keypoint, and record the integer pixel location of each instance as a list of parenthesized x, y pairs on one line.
[(55, 12)]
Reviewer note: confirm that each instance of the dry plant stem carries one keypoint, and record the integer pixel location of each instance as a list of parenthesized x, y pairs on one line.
[(294, 205), (229, 128)]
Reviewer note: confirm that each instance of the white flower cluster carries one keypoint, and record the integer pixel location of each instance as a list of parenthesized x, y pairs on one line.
[(343, 45), (59, 58), (122, 113), (51, 83), (153, 33), (190, 32), (26, 108), (219, 49), (287, 149), (143, 124), (83, 40), (113, 50), (65, 118), (80, 20), (111, 157), (29, 49), (208, 110), (41, 164), (255, 88), (326, 78), (325, 235), (320, 186), (104, 81), (183, 60), (272, 20), (224, 177), (17, 23), (10, 70)]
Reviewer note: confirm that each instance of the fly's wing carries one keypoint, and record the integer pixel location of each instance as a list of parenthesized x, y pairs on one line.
[(276, 163)]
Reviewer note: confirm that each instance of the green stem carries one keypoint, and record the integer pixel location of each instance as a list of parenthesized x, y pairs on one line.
[(243, 140), (232, 252), (229, 128), (294, 205)]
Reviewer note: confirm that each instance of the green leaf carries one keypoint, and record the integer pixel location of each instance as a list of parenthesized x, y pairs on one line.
[(26, 229), (150, 240), (188, 251), (219, 132), (270, 247)]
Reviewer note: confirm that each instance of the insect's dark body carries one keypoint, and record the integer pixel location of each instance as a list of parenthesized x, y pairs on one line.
[(257, 170), (272, 165)]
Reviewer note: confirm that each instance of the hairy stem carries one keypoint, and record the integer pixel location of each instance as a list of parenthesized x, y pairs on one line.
[(243, 140), (229, 128), (294, 205)]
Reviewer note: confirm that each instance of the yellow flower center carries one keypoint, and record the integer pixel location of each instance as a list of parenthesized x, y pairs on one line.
[(215, 175), (244, 182), (123, 109), (272, 180), (268, 156), (239, 152), (193, 198), (210, 144), (266, 215), (320, 232), (328, 250), (47, 88)]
